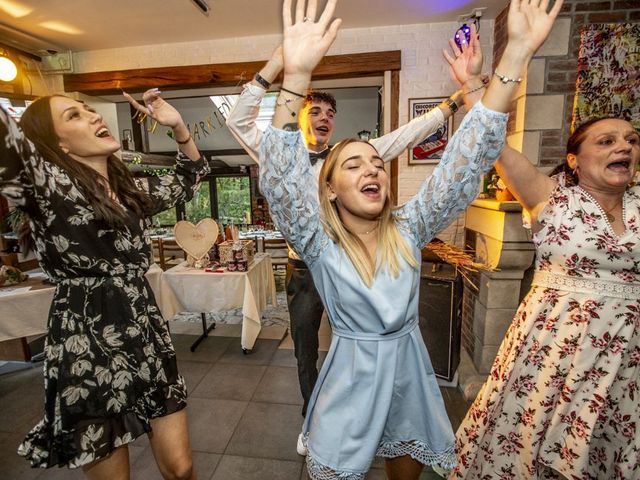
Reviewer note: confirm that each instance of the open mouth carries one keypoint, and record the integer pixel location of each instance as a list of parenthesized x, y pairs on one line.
[(103, 133), (324, 130), (622, 165), (371, 189)]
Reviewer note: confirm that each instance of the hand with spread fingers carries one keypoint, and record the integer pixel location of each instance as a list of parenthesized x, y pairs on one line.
[(306, 40), (156, 108), (466, 61), (529, 24)]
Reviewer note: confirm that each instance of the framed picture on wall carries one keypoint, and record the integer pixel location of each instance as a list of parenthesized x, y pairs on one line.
[(430, 150)]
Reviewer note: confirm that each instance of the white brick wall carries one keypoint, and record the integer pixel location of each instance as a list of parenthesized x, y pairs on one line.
[(424, 72)]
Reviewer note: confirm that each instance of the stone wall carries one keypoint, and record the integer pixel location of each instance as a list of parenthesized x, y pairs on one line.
[(541, 118)]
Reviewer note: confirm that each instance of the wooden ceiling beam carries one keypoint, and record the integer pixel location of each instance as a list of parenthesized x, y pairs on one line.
[(222, 74)]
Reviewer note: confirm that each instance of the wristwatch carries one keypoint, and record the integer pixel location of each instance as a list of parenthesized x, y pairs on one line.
[(450, 102)]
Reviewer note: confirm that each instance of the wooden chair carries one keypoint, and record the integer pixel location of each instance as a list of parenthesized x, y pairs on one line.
[(155, 248), (278, 251), (170, 253)]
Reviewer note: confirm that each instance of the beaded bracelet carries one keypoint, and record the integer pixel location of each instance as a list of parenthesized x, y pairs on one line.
[(506, 80), (475, 89)]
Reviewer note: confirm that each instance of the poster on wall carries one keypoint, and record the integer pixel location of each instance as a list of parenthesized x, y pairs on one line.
[(430, 150), (608, 81)]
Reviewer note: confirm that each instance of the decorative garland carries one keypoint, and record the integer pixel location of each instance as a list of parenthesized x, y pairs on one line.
[(137, 160)]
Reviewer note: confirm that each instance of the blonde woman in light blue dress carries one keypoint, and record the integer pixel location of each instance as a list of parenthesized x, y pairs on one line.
[(377, 394)]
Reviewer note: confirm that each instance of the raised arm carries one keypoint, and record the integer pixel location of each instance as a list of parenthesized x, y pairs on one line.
[(305, 43), (455, 182), (529, 185), (156, 108), (465, 66), (168, 190), (481, 136), (528, 26), (242, 118)]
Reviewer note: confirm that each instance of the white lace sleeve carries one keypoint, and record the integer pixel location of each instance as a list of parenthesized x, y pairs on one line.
[(289, 186), (455, 182)]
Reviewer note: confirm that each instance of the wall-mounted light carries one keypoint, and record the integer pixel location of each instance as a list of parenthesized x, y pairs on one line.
[(8, 69), (463, 33)]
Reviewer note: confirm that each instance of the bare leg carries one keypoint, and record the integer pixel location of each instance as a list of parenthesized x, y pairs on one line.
[(170, 444), (113, 467), (402, 468)]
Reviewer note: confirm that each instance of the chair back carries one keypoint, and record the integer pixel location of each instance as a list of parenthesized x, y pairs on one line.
[(278, 250), (170, 253)]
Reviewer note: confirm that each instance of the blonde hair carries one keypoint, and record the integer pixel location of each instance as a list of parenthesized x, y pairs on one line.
[(390, 242)]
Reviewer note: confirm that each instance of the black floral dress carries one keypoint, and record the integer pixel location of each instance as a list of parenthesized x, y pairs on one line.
[(109, 364)]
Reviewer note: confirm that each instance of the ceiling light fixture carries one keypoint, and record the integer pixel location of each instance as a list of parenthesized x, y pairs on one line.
[(202, 5), (8, 69)]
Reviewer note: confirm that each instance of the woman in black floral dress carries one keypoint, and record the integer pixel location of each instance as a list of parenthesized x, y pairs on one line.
[(110, 369)]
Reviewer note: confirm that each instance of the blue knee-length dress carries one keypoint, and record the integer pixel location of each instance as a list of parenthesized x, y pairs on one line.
[(376, 394)]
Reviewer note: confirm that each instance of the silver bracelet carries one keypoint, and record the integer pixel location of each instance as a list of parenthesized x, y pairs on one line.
[(506, 80)]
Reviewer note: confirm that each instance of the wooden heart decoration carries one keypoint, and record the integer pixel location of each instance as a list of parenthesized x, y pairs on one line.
[(198, 239)]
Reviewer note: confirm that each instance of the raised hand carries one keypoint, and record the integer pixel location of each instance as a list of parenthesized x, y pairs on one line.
[(466, 61), (529, 23), (305, 40), (156, 108), (277, 59)]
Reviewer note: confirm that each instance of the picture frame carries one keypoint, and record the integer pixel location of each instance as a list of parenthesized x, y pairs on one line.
[(127, 139), (430, 150)]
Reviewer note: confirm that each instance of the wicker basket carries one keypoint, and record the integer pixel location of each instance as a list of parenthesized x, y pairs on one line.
[(226, 251)]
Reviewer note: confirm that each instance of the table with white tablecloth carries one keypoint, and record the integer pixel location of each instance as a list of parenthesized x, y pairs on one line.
[(196, 290), (24, 307)]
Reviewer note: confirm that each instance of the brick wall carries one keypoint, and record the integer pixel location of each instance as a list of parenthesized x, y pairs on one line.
[(559, 71)]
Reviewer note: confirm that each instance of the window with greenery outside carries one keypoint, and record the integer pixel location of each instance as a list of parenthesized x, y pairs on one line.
[(234, 199), (199, 206)]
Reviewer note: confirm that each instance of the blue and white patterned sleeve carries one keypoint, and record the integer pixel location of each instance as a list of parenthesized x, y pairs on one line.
[(289, 186), (455, 182)]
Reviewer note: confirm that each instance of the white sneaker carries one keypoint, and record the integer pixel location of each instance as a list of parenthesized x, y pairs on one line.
[(300, 448)]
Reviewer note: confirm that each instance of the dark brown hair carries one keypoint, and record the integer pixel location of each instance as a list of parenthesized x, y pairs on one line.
[(37, 125), (317, 96)]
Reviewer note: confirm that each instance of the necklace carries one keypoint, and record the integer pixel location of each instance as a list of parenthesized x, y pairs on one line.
[(607, 213), (368, 232), (610, 216)]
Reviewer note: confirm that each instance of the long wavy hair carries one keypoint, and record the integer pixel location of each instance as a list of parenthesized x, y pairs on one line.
[(391, 245), (37, 125)]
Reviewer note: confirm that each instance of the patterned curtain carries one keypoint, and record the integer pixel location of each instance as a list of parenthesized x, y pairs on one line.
[(608, 73)]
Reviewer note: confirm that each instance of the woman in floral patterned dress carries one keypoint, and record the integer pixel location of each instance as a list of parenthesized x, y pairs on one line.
[(563, 399), (110, 370)]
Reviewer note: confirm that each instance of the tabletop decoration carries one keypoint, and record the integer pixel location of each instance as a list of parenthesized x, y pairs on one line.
[(196, 240)]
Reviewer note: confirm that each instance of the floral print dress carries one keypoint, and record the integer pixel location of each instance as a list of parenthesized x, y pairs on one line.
[(109, 364), (562, 399)]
